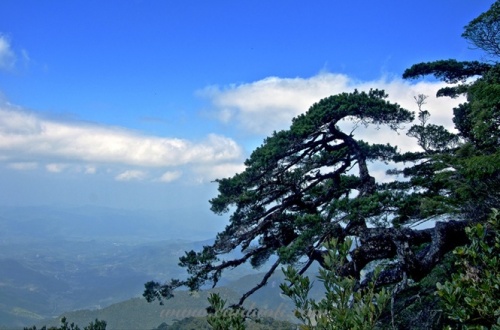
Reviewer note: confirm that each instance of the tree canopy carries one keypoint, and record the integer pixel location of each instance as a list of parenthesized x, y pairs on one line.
[(484, 31), (312, 183)]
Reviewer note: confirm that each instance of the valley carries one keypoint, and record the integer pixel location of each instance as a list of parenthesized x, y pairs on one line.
[(54, 261)]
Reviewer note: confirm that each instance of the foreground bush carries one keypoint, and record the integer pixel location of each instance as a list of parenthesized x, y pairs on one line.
[(344, 306), (471, 299)]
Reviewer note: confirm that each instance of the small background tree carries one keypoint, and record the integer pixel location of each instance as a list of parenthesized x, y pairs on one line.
[(94, 325)]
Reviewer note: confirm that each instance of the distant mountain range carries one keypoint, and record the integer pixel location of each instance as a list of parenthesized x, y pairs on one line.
[(136, 313), (55, 260)]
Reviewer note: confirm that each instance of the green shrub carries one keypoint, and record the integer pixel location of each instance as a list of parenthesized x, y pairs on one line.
[(343, 307), (471, 300)]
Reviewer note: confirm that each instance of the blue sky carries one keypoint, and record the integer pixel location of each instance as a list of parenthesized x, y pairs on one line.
[(141, 104)]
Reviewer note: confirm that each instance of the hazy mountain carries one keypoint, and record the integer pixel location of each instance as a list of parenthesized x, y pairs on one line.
[(55, 260), (136, 313)]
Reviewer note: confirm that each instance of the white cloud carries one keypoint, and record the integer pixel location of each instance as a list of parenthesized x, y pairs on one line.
[(267, 104), (89, 169), (131, 175), (26, 135), (7, 56), (170, 176), (218, 171), (270, 104), (56, 168), (25, 56)]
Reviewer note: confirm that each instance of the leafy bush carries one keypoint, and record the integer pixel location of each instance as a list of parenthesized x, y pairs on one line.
[(222, 318), (344, 306), (471, 300)]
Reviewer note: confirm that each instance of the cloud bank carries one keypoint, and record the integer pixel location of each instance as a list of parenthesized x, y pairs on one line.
[(27, 139)]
